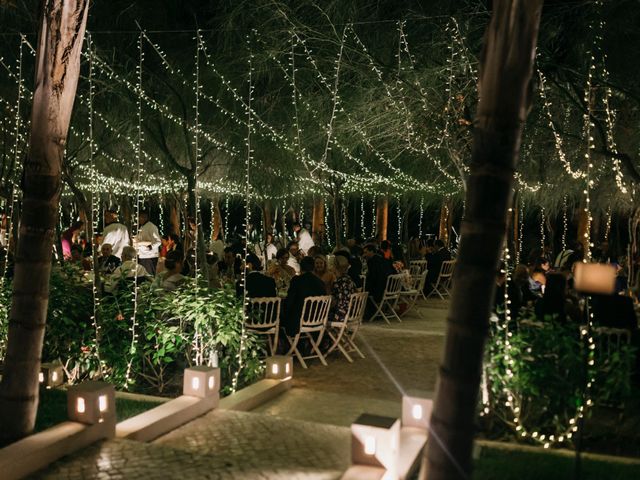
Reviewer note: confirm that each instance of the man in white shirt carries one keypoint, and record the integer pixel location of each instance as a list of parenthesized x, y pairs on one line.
[(115, 233), (305, 242), (148, 243)]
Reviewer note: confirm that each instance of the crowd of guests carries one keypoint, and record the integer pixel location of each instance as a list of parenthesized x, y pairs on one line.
[(547, 286)]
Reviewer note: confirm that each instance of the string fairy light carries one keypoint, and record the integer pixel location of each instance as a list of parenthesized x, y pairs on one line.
[(362, 219), (542, 230), (327, 230), (247, 213), (95, 210), (421, 217), (12, 204), (136, 229), (196, 169), (565, 223), (399, 213)]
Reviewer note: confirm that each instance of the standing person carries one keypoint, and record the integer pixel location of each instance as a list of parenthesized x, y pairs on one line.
[(69, 237), (378, 269), (115, 233), (148, 243), (295, 256), (305, 242)]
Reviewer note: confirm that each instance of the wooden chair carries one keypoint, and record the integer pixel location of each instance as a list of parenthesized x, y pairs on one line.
[(263, 318), (415, 291), (443, 283), (389, 299), (313, 320), (343, 333)]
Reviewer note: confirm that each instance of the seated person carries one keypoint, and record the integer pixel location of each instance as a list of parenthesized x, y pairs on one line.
[(556, 303), (229, 267), (323, 273), (341, 290), (171, 277), (107, 262), (129, 270), (258, 284), (302, 286)]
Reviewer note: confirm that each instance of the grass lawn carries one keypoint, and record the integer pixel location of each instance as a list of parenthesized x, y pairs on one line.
[(52, 408), (509, 465)]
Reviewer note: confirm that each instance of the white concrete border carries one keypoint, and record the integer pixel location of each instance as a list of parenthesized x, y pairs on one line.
[(35, 452)]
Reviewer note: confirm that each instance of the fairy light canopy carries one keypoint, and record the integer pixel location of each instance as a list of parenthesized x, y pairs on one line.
[(342, 108)]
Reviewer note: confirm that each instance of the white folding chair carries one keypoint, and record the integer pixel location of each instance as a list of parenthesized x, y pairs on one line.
[(416, 267), (609, 340), (313, 320), (389, 298), (263, 318), (411, 295), (343, 333), (443, 283)]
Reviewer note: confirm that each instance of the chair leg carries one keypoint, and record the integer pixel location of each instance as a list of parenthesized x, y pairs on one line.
[(294, 349), (316, 349), (352, 344), (379, 311)]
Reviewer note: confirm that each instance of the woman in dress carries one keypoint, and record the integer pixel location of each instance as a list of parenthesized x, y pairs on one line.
[(341, 289), (280, 271), (323, 273)]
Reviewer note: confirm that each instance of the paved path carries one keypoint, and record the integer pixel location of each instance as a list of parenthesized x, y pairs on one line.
[(303, 434)]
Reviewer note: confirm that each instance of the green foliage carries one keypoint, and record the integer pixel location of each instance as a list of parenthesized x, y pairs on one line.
[(172, 330), (545, 371)]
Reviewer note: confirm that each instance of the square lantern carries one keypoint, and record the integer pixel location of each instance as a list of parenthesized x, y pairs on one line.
[(91, 402), (375, 441), (51, 375), (595, 278), (201, 381), (279, 367), (416, 410)]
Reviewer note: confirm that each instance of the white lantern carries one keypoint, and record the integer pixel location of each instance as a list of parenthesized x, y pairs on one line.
[(375, 441), (595, 278), (201, 381), (51, 375), (91, 402), (279, 367), (416, 410)]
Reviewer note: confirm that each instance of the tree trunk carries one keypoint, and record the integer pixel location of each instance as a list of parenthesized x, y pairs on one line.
[(60, 42), (337, 226), (583, 229), (268, 217), (503, 92), (174, 215), (216, 219), (445, 215), (382, 218), (317, 226)]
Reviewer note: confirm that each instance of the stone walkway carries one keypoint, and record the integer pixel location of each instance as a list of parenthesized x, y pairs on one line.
[(303, 434)]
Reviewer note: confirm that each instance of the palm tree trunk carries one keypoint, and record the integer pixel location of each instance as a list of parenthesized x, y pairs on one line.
[(382, 218), (57, 70), (503, 88)]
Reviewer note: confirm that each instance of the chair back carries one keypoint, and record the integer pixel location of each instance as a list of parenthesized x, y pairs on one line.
[(416, 267), (419, 281), (446, 270), (263, 313), (315, 313), (357, 304), (609, 340), (394, 285)]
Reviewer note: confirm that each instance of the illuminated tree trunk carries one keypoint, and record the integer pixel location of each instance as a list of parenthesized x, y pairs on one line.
[(583, 229), (318, 218), (216, 219), (503, 92), (268, 216), (445, 222), (57, 69), (382, 217)]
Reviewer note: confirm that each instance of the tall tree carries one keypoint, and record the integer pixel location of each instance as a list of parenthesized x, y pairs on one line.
[(60, 39), (504, 100)]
